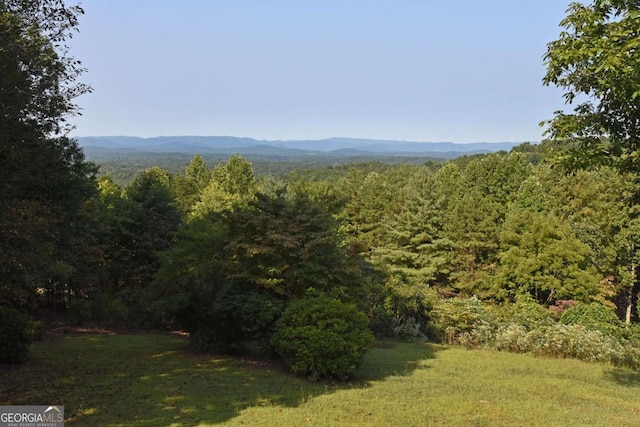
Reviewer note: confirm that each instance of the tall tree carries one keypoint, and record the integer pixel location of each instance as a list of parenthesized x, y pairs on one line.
[(413, 242), (596, 204), (371, 201), (154, 219), (542, 257), (475, 206), (44, 178), (233, 185), (187, 188), (287, 244), (596, 60)]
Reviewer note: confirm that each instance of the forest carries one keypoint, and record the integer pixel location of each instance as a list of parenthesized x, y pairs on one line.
[(533, 250)]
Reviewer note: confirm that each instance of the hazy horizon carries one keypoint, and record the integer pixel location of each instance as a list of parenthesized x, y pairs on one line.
[(286, 70)]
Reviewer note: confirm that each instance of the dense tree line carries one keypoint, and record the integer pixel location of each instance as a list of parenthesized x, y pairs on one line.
[(392, 238)]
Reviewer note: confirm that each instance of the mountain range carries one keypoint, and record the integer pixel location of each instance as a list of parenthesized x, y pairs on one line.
[(339, 147)]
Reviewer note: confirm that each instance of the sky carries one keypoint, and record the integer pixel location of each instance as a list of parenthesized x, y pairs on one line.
[(412, 70)]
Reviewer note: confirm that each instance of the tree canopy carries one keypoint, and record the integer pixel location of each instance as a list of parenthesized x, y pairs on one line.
[(596, 61)]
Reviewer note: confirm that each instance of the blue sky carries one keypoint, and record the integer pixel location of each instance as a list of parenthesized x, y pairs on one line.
[(416, 70)]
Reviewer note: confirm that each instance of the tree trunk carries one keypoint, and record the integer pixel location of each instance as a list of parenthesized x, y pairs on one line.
[(634, 282)]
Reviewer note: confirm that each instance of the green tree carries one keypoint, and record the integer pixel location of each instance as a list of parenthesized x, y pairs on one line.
[(187, 188), (412, 252), (413, 242), (596, 60), (287, 244), (475, 201), (596, 204), (370, 202), (230, 274), (191, 275), (45, 182), (117, 219), (541, 257), (153, 221), (233, 185)]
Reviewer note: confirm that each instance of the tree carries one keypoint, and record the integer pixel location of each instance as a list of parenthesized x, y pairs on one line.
[(187, 188), (541, 257), (596, 59), (190, 278), (153, 221), (413, 244), (44, 178), (287, 244), (412, 253), (371, 201), (476, 203), (233, 185), (230, 274), (38, 77), (596, 204)]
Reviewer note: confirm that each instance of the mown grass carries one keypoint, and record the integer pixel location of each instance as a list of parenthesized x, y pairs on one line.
[(153, 380)]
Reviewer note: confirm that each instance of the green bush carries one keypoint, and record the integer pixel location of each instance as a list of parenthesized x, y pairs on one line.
[(244, 319), (567, 341), (15, 336), (594, 317), (240, 320), (464, 321), (527, 313), (79, 311), (322, 337)]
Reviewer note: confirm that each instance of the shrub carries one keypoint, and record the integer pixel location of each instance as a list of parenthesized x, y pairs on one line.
[(399, 310), (627, 355), (206, 340), (409, 330), (240, 320), (594, 317), (15, 336), (245, 318), (513, 338), (464, 321), (79, 311), (527, 313), (322, 337), (564, 341), (117, 312)]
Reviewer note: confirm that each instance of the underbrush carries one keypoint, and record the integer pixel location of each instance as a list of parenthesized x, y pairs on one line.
[(588, 332)]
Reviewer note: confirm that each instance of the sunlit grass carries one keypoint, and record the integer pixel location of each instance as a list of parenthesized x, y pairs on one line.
[(478, 388), (152, 380)]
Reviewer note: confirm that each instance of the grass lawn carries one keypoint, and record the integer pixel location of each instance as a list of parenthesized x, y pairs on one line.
[(153, 380)]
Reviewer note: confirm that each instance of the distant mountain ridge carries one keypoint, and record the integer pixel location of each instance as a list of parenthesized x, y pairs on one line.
[(225, 145)]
